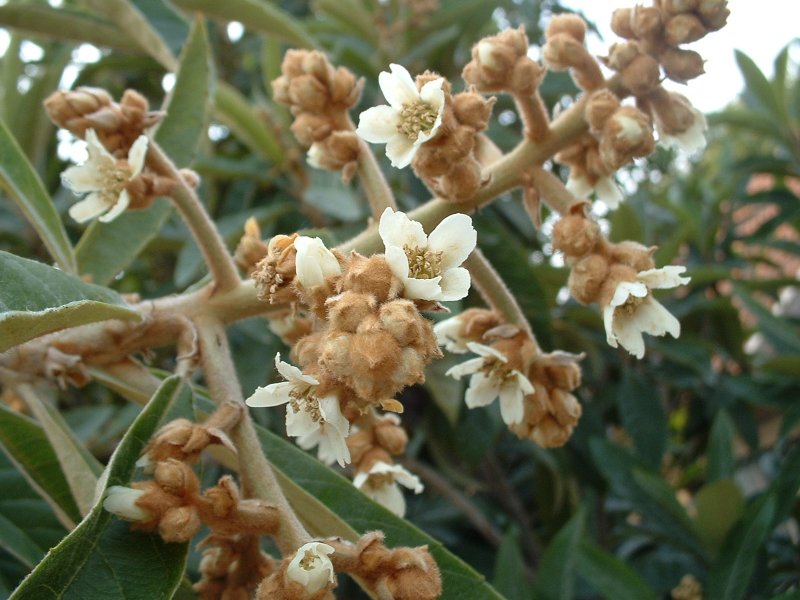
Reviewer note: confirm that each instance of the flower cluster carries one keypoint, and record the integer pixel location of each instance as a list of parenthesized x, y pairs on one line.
[(534, 388), (428, 127), (620, 278), (319, 97)]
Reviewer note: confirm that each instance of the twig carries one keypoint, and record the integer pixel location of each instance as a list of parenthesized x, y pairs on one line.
[(552, 191), (256, 473), (533, 113), (374, 182)]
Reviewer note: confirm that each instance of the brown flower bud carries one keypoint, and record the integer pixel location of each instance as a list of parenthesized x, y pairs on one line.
[(586, 278), (621, 23), (569, 24), (308, 93), (617, 272), (683, 29), (621, 55), (65, 106), (575, 235), (462, 181), (633, 254), (628, 134), (641, 75), (674, 7), (370, 276), (714, 13), (335, 152), (176, 478), (391, 436), (416, 576), (473, 109), (179, 524), (599, 108), (349, 309), (251, 249), (310, 127), (682, 65), (646, 22)]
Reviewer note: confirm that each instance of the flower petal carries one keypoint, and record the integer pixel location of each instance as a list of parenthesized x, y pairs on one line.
[(83, 178), (455, 284), (455, 238), (137, 155), (398, 87), (378, 124), (487, 351), (665, 277), (397, 261), (608, 323), (396, 229), (512, 408), (422, 289), (653, 318), (389, 496), (432, 93), (579, 186), (98, 155), (468, 367), (629, 336), (273, 394), (400, 150), (608, 192), (482, 390), (93, 205), (119, 207), (626, 289)]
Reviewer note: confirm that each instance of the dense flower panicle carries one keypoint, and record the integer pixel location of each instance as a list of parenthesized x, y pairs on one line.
[(381, 484), (429, 266), (311, 567), (314, 421), (632, 310), (105, 178), (412, 117), (492, 377)]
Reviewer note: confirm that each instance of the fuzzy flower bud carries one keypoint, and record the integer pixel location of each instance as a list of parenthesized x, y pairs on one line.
[(683, 29), (575, 235), (250, 249), (628, 134), (682, 65), (601, 105), (621, 23), (714, 13), (641, 75)]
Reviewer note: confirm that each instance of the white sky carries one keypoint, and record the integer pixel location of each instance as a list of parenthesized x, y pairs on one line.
[(760, 28)]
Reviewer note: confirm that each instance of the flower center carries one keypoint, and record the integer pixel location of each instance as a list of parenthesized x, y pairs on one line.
[(422, 263), (416, 117), (308, 560), (379, 480), (304, 400), (497, 370), (630, 306)]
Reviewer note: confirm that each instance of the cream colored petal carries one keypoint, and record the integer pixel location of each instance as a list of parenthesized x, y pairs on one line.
[(523, 383), (396, 229), (665, 277), (137, 155), (311, 568), (482, 390), (333, 447), (121, 501), (468, 367), (407, 479), (400, 150), (332, 413), (273, 394), (83, 178), (93, 205), (512, 408), (448, 334), (455, 284), (98, 155), (299, 423), (314, 262), (626, 289), (119, 207), (608, 323), (455, 238), (291, 373), (653, 318), (390, 497), (432, 93), (579, 186), (398, 87), (397, 261), (487, 351), (422, 289), (608, 192), (629, 335), (378, 124)]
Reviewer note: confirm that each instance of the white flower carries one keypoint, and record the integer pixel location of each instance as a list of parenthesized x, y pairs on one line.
[(313, 421), (605, 188), (380, 484), (633, 311), (311, 567), (428, 266), (314, 154), (412, 118), (492, 377), (121, 501), (105, 178), (691, 139), (314, 262), (448, 334)]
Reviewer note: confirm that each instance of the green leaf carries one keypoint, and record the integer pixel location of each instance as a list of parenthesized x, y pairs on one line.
[(179, 134), (611, 577), (257, 15), (643, 417), (135, 25), (65, 24), (234, 110), (18, 544), (730, 575), (26, 445), (719, 506), (555, 579), (778, 331), (36, 299), (79, 467), (509, 569), (721, 461), (102, 557), (20, 181), (758, 86)]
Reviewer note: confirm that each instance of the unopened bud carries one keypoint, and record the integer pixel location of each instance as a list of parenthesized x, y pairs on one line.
[(683, 29), (391, 436), (641, 75), (601, 105), (634, 254), (621, 55), (682, 65), (674, 7), (179, 524), (586, 278), (714, 13), (569, 24), (627, 135), (646, 21), (575, 235), (621, 23), (175, 477)]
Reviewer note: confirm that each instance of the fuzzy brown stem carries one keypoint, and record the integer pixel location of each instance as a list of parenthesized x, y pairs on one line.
[(374, 183), (495, 292), (255, 470), (533, 113), (552, 191), (219, 260)]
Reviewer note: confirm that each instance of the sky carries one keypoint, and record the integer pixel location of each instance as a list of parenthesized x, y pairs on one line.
[(760, 28)]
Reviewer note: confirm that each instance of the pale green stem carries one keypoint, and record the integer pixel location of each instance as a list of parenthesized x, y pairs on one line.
[(373, 181), (205, 233), (495, 293), (533, 113), (554, 193), (256, 472)]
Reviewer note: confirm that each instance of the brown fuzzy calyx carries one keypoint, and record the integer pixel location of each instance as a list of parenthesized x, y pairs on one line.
[(275, 272), (251, 249), (628, 134)]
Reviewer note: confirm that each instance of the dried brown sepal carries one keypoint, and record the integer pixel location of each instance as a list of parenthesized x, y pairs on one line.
[(251, 249), (276, 271)]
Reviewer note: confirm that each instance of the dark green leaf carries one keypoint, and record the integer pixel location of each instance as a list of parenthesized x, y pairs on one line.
[(509, 569), (555, 578), (611, 577), (721, 461), (757, 85), (234, 110), (36, 299), (643, 417), (102, 557), (719, 506), (20, 181)]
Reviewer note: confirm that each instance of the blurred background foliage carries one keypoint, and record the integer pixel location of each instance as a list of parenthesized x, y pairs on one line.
[(684, 463)]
